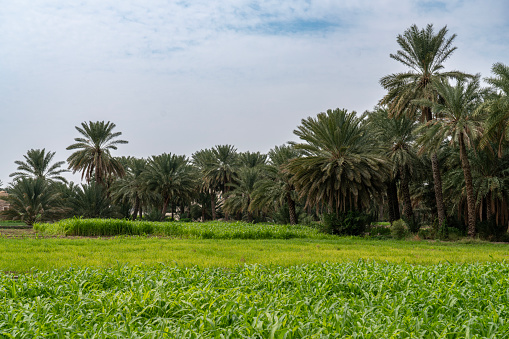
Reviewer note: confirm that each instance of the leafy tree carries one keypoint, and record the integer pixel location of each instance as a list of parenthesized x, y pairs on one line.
[(91, 201), (424, 52), (275, 188), (252, 159), (497, 121), (205, 160), (458, 124), (239, 198), (93, 157), (132, 188), (37, 164), (33, 200), (339, 168), (171, 176), (397, 141)]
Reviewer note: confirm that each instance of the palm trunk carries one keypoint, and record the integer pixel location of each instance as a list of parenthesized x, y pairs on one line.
[(136, 207), (165, 207), (392, 197), (489, 211), (405, 191), (141, 211), (213, 204), (469, 186), (437, 179), (291, 208)]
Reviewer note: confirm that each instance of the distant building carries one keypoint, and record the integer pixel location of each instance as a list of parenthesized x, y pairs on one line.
[(4, 205)]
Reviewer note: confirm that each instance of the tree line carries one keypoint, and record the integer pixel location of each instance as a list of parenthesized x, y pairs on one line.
[(434, 151)]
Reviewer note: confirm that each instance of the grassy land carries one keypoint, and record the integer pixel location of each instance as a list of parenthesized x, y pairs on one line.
[(9, 223), (354, 300), (260, 281), (25, 254)]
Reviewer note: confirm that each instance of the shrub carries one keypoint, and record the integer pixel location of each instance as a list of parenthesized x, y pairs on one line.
[(349, 223), (489, 230), (443, 231), (399, 229), (425, 233), (380, 231)]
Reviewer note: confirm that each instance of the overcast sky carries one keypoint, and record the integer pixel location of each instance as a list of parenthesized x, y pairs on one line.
[(180, 76)]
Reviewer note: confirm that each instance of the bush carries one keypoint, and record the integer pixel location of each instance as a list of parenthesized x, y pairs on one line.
[(425, 233), (489, 230), (399, 229), (349, 223), (380, 231), (443, 231)]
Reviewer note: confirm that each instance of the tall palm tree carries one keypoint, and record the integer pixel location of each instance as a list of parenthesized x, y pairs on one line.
[(458, 124), (93, 157), (252, 159), (204, 160), (32, 200), (397, 139), (276, 188), (339, 169), (424, 52), (132, 187), (37, 164), (171, 176), (497, 106), (239, 198)]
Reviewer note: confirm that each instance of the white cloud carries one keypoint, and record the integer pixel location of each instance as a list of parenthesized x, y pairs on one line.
[(180, 76)]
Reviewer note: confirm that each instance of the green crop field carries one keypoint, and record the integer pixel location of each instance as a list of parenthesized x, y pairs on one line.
[(238, 280), (323, 300)]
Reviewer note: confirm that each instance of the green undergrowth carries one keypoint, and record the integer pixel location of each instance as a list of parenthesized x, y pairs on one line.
[(362, 299), (205, 230)]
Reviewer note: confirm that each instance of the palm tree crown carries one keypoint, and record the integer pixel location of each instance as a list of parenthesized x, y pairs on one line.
[(37, 164), (340, 167), (424, 52), (93, 155)]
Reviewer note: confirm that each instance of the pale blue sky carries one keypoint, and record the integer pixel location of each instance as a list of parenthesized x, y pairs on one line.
[(179, 76)]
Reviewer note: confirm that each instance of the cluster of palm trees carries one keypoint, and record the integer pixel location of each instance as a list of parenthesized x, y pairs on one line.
[(434, 150)]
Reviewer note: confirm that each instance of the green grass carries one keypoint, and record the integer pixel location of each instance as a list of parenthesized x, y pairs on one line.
[(25, 254), (11, 223), (323, 300), (205, 230)]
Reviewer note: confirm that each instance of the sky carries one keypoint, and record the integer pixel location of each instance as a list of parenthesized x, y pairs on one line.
[(180, 76)]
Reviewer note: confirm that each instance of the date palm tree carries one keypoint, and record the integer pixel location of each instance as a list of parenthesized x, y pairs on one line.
[(397, 139), (340, 168), (37, 164), (172, 177), (458, 124), (497, 107), (424, 53), (93, 157), (276, 189), (32, 200)]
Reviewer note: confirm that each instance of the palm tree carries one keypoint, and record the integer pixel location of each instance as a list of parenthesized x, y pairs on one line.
[(90, 201), (398, 144), (252, 159), (339, 169), (458, 124), (132, 188), (497, 122), (222, 170), (239, 198), (37, 164), (424, 52), (32, 200), (276, 187), (93, 157), (172, 177), (204, 160)]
